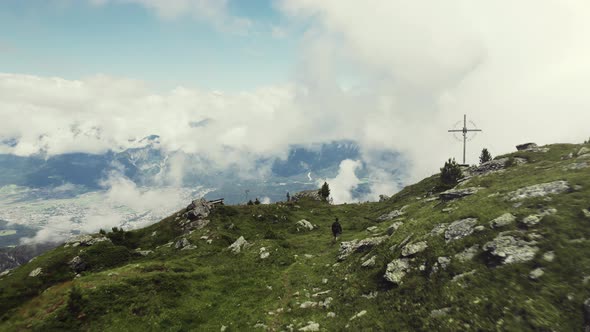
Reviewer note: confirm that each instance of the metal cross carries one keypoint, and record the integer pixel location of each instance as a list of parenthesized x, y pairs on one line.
[(464, 131)]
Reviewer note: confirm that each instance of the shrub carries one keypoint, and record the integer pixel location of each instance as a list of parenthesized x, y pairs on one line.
[(250, 202), (256, 201), (450, 173), (485, 156), (75, 301)]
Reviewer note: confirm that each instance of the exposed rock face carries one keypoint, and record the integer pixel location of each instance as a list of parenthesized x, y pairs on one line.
[(510, 250), (198, 209), (539, 190), (503, 220), (77, 264), (414, 248), (369, 262), (460, 229), (392, 214), (526, 146), (485, 168), (311, 194), (85, 240), (439, 229), (36, 272), (305, 224), (583, 152), (391, 229), (396, 270), (238, 245), (467, 254), (347, 248), (457, 193), (383, 198)]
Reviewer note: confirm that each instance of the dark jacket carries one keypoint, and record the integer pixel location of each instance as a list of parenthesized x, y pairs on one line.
[(336, 228)]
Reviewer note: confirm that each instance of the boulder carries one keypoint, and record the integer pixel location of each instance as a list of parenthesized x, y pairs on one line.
[(310, 194), (372, 229), (181, 243), (383, 198), (310, 327), (549, 256), (369, 262), (238, 245), (583, 151), (414, 248), (586, 213), (86, 240), (396, 270), (486, 168), (77, 264), (444, 262), (198, 209), (460, 229), (467, 254), (536, 273), (263, 253), (526, 146), (438, 313), (510, 250), (539, 190), (531, 220), (36, 272), (503, 220), (347, 248), (358, 315), (452, 194), (392, 214), (439, 229), (305, 224)]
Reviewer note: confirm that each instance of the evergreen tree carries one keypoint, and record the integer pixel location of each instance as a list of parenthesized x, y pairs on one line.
[(324, 192), (485, 156), (256, 201), (288, 197), (450, 173), (250, 202)]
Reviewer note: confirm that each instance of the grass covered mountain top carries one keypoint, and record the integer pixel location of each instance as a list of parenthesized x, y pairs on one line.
[(506, 249)]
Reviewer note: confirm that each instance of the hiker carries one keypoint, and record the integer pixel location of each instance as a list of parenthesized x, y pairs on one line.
[(336, 229)]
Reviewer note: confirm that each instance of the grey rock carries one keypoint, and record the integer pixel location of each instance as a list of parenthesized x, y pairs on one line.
[(308, 304), (310, 327), (383, 198), (510, 250), (181, 243), (396, 270), (526, 146), (372, 229), (458, 193), (467, 254), (576, 166), (36, 272), (583, 151), (358, 314), (479, 228), (238, 245), (392, 214), (503, 220), (144, 252), (305, 224), (414, 248), (331, 314), (489, 167), (531, 220), (549, 256), (586, 213), (369, 262), (536, 273), (461, 276), (437, 313), (439, 229), (347, 248), (539, 190), (86, 240), (310, 194), (391, 229), (459, 229), (77, 264), (444, 262), (198, 209)]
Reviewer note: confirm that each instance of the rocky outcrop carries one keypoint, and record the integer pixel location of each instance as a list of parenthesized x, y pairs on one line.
[(539, 190), (393, 227), (85, 240), (511, 250), (460, 229), (309, 194), (526, 147), (414, 248), (239, 245), (467, 254), (383, 198), (36, 272), (392, 214), (583, 152), (305, 225), (77, 264), (396, 270), (503, 220), (347, 248), (439, 229), (369, 262), (310, 327), (455, 193)]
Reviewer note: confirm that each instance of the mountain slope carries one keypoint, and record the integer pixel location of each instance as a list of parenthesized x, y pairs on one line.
[(511, 254)]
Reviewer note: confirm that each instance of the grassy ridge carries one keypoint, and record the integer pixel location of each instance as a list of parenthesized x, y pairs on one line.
[(209, 287)]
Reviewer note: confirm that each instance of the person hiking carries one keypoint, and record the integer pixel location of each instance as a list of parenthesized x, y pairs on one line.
[(336, 229)]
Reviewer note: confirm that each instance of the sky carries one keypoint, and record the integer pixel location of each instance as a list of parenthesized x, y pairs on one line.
[(250, 78)]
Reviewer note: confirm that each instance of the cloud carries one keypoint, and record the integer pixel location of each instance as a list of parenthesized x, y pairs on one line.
[(345, 182), (214, 12)]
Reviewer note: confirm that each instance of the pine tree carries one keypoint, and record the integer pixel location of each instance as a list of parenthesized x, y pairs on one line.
[(324, 192), (485, 156), (450, 173), (256, 201)]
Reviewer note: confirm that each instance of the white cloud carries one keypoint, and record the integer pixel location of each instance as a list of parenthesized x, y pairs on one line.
[(214, 12), (345, 182)]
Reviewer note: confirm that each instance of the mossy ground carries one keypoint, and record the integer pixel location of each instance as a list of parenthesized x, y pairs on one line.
[(209, 287)]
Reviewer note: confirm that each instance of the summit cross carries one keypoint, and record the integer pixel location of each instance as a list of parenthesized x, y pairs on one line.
[(464, 131)]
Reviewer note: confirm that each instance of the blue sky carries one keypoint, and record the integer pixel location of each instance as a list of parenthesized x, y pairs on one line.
[(76, 39)]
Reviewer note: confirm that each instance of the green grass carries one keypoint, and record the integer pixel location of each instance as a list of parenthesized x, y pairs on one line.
[(209, 287)]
